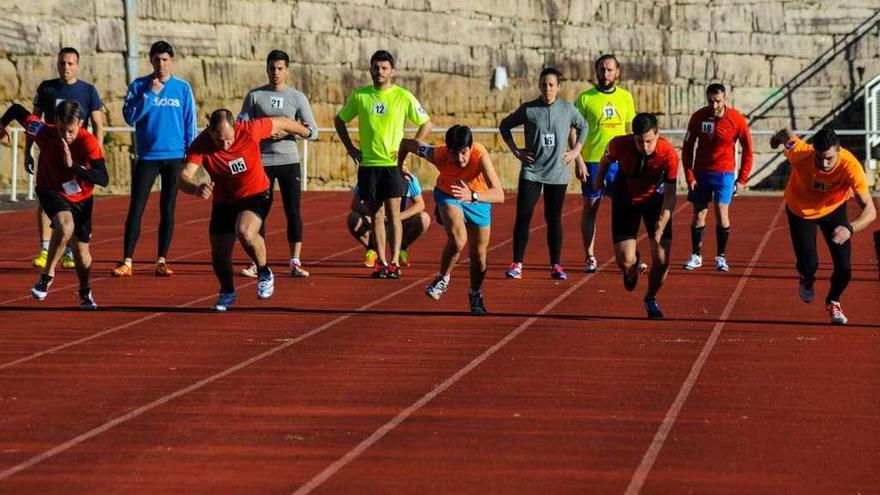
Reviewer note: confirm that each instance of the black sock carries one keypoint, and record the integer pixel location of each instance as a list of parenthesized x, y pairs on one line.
[(83, 275), (263, 271), (722, 234), (46, 278), (84, 290), (697, 239)]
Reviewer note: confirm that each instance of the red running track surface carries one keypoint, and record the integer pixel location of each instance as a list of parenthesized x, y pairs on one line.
[(344, 384)]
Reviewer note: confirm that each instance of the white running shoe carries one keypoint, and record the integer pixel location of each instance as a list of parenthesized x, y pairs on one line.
[(721, 264), (694, 261), (265, 285)]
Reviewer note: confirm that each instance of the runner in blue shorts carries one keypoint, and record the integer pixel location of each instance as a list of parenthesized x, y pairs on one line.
[(466, 186)]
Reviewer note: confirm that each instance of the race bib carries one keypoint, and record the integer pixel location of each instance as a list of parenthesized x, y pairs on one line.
[(548, 140), (71, 187), (34, 126), (58, 101), (237, 166), (276, 103), (424, 149), (708, 127), (609, 111), (379, 108)]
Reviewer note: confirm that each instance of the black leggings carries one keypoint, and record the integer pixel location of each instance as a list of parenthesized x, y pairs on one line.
[(143, 175), (803, 238), (527, 197), (290, 182)]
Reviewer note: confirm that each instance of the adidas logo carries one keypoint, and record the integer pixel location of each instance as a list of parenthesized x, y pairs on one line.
[(166, 102)]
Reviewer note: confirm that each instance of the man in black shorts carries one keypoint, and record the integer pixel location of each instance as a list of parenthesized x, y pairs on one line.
[(644, 191)]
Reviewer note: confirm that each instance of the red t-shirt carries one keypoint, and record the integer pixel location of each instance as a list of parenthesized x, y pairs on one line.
[(52, 173), (237, 172), (641, 174), (716, 138)]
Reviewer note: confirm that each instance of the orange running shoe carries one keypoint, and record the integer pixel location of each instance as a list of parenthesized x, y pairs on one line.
[(162, 270), (122, 270)]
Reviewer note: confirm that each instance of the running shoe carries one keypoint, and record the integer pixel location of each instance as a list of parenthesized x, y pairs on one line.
[(296, 271), (836, 313), (643, 267), (41, 259), (370, 258), (653, 309), (393, 271), (67, 261), (515, 270), (437, 288), (265, 285), (250, 271), (162, 270), (404, 258), (41, 289), (721, 264), (478, 308), (631, 276), (224, 300), (379, 271), (694, 261), (805, 291), (557, 272), (591, 265), (87, 300), (122, 270)]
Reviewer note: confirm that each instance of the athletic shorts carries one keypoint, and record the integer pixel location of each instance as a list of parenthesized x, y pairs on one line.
[(709, 184), (53, 202), (477, 214), (224, 215), (376, 184), (610, 175), (626, 216)]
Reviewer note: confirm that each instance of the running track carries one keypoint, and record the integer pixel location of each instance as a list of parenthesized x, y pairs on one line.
[(343, 384)]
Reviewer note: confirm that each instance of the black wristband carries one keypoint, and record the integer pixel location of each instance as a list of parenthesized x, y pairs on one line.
[(850, 228)]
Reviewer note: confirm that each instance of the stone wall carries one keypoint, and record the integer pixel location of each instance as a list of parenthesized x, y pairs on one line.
[(447, 50)]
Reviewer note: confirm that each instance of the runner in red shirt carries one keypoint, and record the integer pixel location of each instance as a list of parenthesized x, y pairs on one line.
[(71, 163), (714, 129), (644, 190), (230, 153)]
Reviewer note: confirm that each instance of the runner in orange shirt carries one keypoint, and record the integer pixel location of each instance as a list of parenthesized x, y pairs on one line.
[(465, 189), (823, 177)]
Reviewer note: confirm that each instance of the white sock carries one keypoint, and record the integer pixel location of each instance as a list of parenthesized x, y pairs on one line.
[(44, 245), (295, 261), (160, 260), (446, 277)]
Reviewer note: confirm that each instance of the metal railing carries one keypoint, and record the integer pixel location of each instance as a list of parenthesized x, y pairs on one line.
[(872, 120), (871, 134)]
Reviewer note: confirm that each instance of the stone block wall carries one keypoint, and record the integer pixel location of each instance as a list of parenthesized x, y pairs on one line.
[(447, 50)]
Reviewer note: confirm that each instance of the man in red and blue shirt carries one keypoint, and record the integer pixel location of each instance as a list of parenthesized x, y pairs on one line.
[(71, 163), (714, 129), (230, 153)]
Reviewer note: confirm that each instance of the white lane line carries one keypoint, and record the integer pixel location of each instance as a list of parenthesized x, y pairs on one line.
[(206, 381), (644, 469), (383, 430)]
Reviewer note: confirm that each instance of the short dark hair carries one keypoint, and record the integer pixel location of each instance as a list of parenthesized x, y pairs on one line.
[(276, 55), (552, 71), (825, 139), (382, 56), (603, 58), (68, 49), (459, 137), (218, 117), (715, 88), (161, 47), (68, 112), (644, 122)]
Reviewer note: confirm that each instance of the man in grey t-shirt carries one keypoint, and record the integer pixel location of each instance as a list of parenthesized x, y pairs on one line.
[(281, 158)]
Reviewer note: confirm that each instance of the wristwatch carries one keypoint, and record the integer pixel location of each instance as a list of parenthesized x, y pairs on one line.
[(474, 197)]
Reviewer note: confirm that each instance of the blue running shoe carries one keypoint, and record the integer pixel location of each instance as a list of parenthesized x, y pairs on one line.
[(224, 300), (653, 309)]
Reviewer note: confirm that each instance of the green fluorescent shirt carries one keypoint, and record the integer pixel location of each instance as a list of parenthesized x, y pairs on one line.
[(608, 115), (382, 116)]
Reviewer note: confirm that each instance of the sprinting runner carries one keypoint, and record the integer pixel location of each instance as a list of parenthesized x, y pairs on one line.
[(644, 190), (280, 156), (608, 110), (71, 163), (465, 189), (162, 109), (50, 94), (412, 215), (230, 153), (823, 176), (715, 129), (548, 122), (382, 110)]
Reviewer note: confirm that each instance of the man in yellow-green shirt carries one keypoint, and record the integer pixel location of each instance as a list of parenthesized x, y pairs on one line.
[(609, 112), (382, 110)]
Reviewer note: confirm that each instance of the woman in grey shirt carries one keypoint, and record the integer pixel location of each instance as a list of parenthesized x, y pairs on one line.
[(280, 157), (548, 122)]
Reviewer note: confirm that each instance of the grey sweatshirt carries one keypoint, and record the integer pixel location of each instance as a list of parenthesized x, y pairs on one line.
[(290, 103)]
